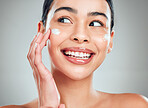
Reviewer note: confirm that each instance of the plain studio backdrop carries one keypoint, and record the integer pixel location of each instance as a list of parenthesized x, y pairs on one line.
[(125, 69)]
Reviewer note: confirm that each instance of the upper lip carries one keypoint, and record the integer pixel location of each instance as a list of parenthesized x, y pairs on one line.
[(78, 49)]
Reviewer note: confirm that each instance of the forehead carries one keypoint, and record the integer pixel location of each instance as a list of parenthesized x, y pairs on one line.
[(84, 6)]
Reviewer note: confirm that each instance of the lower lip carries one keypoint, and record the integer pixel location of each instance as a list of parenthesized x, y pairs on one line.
[(78, 61)]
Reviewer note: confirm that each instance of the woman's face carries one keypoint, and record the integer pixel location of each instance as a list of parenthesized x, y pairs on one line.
[(80, 36)]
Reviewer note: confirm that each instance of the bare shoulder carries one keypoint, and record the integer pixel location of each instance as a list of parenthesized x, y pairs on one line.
[(131, 100), (32, 104)]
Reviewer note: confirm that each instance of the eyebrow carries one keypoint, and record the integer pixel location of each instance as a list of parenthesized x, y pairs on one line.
[(75, 11), (68, 9), (97, 13)]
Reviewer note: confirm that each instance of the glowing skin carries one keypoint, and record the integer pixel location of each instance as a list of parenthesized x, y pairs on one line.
[(77, 25), (80, 35), (76, 31)]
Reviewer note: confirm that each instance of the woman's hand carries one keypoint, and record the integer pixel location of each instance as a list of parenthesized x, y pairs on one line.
[(47, 91)]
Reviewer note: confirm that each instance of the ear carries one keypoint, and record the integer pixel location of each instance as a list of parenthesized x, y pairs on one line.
[(111, 41), (41, 27)]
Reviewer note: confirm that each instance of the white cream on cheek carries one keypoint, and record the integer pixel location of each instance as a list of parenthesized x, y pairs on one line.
[(56, 31), (107, 35), (107, 38)]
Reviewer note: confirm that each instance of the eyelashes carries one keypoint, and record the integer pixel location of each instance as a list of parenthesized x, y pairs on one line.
[(64, 20), (95, 23)]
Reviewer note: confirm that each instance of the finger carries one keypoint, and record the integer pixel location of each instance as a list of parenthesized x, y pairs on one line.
[(43, 71), (62, 106), (30, 61), (39, 38), (32, 42), (45, 38), (30, 50), (35, 71), (46, 79), (28, 55), (32, 53)]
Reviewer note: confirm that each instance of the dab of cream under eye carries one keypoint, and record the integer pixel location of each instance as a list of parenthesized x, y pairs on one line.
[(56, 31)]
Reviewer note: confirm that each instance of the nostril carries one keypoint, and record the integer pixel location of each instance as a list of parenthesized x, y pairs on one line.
[(85, 40), (75, 39)]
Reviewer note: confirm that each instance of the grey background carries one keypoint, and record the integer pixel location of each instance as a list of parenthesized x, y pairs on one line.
[(124, 70)]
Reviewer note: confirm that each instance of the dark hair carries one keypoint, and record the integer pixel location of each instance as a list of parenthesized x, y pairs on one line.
[(47, 6)]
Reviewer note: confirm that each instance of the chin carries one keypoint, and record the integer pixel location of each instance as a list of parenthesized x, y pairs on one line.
[(72, 71), (77, 73)]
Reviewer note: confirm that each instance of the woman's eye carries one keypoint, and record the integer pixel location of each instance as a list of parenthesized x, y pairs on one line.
[(64, 20), (96, 24)]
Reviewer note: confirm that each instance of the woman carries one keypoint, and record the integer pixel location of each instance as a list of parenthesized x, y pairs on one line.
[(80, 34)]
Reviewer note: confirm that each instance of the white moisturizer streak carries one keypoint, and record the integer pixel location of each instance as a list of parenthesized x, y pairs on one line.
[(107, 38), (56, 31)]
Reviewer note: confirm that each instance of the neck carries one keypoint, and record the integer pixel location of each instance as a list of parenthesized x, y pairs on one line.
[(74, 93)]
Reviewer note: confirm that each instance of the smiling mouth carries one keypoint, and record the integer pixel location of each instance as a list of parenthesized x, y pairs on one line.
[(78, 55)]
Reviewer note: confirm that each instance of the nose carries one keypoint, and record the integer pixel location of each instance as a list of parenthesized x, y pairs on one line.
[(80, 39), (80, 36)]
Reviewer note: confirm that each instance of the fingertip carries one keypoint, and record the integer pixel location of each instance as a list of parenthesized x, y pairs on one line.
[(62, 106)]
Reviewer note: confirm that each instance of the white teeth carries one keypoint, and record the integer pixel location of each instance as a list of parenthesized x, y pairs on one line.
[(69, 52), (79, 55), (76, 54), (87, 54), (73, 53)]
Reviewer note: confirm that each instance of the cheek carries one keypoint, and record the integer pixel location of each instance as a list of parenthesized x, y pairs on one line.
[(57, 37), (107, 39), (101, 38), (101, 42)]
